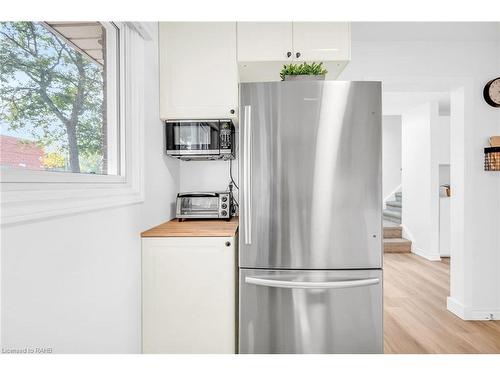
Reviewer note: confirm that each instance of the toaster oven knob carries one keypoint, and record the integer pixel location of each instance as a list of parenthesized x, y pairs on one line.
[(224, 213), (224, 206), (224, 199)]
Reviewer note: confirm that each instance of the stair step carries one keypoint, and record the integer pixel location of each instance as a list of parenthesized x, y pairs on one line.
[(391, 219), (395, 204), (397, 245), (393, 232), (394, 208), (392, 213), (399, 196)]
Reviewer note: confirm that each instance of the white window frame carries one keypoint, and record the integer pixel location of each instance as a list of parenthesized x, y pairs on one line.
[(30, 195)]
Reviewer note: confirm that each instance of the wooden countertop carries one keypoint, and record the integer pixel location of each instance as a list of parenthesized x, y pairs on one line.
[(194, 228)]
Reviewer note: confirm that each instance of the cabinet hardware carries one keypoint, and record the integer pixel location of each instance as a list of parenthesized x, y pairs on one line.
[(228, 243), (288, 54), (297, 54), (232, 111)]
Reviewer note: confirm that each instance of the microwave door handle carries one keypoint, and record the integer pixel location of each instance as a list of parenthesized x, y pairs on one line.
[(247, 173), (197, 194), (341, 284)]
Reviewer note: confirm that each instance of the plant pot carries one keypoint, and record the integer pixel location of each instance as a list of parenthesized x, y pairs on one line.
[(447, 190), (305, 77)]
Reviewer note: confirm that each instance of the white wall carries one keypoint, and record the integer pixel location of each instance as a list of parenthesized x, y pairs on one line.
[(438, 142), (459, 272), (443, 139), (205, 175), (442, 151), (391, 154), (444, 227), (74, 283), (419, 216), (451, 56), (208, 175)]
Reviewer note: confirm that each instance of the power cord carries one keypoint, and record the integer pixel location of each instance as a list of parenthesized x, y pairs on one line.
[(231, 173), (231, 184)]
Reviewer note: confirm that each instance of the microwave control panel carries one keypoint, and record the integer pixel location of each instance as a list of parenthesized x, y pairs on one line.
[(226, 136)]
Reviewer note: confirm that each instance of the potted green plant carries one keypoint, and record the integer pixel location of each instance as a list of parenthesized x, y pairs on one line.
[(303, 71)]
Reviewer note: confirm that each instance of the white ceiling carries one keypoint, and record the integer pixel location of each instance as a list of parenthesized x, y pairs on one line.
[(425, 31)]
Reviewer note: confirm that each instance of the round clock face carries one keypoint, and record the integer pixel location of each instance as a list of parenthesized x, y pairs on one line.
[(492, 92)]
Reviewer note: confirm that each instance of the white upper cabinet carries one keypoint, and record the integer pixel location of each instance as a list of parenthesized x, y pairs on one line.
[(265, 41), (264, 47), (198, 70), (321, 41)]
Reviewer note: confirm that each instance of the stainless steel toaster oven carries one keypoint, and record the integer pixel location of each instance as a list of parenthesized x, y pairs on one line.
[(204, 205)]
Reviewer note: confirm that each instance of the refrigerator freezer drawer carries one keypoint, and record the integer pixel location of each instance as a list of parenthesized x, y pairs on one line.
[(310, 311)]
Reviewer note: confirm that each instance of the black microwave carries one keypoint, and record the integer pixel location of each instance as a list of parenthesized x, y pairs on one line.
[(200, 139)]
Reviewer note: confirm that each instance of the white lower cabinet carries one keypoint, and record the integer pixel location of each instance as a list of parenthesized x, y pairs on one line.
[(189, 295)]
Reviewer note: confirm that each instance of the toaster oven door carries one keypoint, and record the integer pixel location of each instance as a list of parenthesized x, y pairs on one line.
[(198, 206), (185, 137)]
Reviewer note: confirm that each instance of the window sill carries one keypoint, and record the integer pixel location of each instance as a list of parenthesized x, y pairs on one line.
[(51, 200), (13, 175)]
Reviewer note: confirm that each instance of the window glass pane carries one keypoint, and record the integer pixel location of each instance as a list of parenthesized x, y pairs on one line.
[(54, 96)]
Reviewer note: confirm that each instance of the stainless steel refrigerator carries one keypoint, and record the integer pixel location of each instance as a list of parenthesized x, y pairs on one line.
[(310, 237)]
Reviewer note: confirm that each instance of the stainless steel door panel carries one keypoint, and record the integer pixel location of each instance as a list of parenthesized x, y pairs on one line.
[(316, 312), (310, 156)]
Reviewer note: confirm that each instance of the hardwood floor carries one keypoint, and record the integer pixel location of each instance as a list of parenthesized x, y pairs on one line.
[(415, 316)]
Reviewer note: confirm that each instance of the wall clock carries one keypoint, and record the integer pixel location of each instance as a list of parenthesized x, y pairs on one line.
[(491, 92)]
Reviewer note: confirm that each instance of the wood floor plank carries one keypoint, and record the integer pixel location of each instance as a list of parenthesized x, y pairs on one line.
[(415, 316)]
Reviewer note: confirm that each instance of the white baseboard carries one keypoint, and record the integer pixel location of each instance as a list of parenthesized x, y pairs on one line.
[(424, 254), (415, 250), (455, 307), (466, 313), (483, 314)]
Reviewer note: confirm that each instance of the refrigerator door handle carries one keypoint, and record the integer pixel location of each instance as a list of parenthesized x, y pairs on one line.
[(247, 174), (311, 284)]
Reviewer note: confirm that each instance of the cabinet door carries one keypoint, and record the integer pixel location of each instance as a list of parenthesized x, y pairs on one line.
[(321, 41), (189, 295), (264, 41), (198, 70)]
